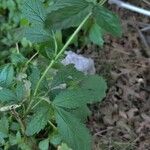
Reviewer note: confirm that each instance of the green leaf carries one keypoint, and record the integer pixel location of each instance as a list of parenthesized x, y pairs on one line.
[(96, 85), (82, 113), (34, 77), (44, 145), (73, 132), (39, 120), (107, 20), (55, 138), (36, 34), (65, 13), (17, 58), (92, 89), (7, 95), (66, 75), (20, 91), (6, 76), (96, 35), (34, 11), (64, 146), (4, 125)]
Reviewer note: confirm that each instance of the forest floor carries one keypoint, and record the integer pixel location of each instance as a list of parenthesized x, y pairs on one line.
[(122, 120)]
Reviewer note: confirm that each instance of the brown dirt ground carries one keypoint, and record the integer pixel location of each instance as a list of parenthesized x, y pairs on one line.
[(122, 120)]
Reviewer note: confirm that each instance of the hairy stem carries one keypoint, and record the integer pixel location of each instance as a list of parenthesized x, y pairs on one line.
[(56, 58)]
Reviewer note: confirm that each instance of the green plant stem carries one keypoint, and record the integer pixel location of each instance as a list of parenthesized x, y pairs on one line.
[(56, 58), (55, 128), (27, 63), (102, 2)]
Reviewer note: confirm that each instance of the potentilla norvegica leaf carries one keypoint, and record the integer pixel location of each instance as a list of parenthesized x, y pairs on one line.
[(96, 34), (67, 74), (107, 20), (7, 95), (44, 145), (4, 127), (72, 131), (66, 13), (40, 119), (20, 91), (34, 11), (37, 34), (17, 59), (91, 89), (6, 75), (81, 113)]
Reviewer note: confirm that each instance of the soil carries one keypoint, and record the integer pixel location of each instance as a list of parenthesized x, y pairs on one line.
[(122, 120)]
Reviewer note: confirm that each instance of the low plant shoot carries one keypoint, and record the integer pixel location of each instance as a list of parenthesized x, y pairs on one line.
[(43, 104)]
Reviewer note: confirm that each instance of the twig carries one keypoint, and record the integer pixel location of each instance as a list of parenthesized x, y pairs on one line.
[(147, 48)]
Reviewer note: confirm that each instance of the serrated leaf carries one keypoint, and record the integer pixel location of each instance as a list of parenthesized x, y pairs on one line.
[(34, 77), (64, 146), (4, 125), (96, 84), (17, 58), (66, 74), (44, 145), (34, 11), (96, 35), (92, 89), (7, 95), (74, 133), (20, 91), (55, 138), (39, 120), (36, 34), (107, 20), (6, 76), (82, 113), (59, 18)]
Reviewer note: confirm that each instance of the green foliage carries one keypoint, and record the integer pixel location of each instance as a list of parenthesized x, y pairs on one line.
[(59, 18), (107, 20), (86, 93), (6, 75), (73, 132), (43, 104), (39, 120), (96, 34), (4, 128), (44, 145), (7, 95)]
